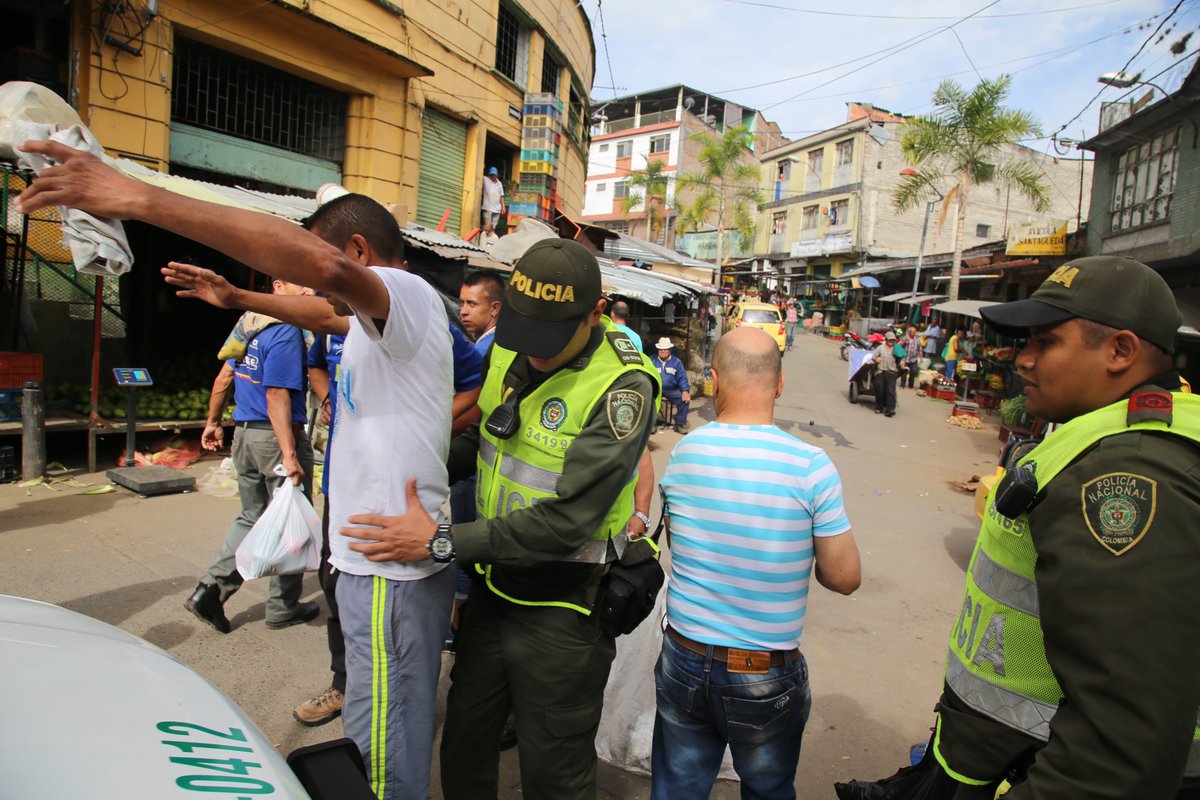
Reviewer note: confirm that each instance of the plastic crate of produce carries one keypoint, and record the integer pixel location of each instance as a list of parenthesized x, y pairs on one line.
[(523, 197), (542, 109), (513, 220), (523, 209), (539, 155), (16, 368), (544, 97), (10, 404), (539, 121), (543, 167), (542, 184)]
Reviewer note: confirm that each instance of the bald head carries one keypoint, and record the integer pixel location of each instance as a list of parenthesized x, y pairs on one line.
[(747, 360)]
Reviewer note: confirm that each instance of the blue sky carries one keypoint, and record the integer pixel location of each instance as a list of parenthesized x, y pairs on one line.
[(730, 47)]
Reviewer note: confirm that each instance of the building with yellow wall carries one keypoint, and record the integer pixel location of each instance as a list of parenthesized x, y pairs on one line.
[(406, 102)]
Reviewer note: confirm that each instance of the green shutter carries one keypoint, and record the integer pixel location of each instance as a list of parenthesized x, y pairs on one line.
[(443, 161)]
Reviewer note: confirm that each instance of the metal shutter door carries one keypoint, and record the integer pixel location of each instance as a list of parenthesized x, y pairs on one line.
[(443, 161)]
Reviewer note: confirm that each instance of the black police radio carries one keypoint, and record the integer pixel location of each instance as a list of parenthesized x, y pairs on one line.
[(1017, 493)]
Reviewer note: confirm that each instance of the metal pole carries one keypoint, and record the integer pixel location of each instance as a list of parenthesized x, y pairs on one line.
[(131, 427), (93, 417), (921, 247), (33, 432)]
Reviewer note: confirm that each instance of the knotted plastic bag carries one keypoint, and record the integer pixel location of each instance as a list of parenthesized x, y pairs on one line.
[(286, 540)]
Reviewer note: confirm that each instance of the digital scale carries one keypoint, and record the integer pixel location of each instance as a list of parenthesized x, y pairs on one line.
[(150, 479)]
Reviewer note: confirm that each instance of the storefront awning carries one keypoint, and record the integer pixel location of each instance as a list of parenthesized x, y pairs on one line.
[(968, 308), (921, 298), (651, 288)]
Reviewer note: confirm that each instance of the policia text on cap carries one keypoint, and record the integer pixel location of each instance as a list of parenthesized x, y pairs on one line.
[(559, 376)]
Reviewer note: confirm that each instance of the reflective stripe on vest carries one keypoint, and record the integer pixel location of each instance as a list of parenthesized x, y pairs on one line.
[(524, 469), (997, 660)]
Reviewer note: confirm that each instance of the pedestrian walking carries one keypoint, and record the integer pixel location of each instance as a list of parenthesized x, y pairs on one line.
[(887, 370), (792, 321), (912, 358), (731, 673)]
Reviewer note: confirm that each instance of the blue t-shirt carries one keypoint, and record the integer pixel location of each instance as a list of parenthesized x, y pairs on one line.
[(274, 360), (468, 363), (630, 333), (326, 354), (484, 342)]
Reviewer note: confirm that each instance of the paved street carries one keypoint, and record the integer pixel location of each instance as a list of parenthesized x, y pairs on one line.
[(875, 657)]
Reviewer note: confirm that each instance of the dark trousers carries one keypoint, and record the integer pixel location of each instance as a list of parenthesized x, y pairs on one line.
[(908, 377), (333, 623), (885, 392), (681, 408), (549, 666)]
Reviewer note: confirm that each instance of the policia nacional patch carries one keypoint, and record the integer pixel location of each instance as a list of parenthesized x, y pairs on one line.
[(1119, 508), (625, 408)]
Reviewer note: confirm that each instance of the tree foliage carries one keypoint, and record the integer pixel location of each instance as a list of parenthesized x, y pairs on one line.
[(724, 192), (963, 141), (646, 185)]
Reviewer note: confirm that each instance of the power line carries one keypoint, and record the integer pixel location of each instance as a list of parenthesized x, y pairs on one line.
[(924, 37), (824, 13), (604, 38), (1127, 63)]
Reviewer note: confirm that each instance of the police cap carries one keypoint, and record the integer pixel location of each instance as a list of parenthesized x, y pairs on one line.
[(1118, 292), (553, 287)]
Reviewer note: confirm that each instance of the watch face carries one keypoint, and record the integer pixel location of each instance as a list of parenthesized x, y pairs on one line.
[(441, 547)]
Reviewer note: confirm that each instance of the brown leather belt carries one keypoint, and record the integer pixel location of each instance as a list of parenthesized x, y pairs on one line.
[(722, 654)]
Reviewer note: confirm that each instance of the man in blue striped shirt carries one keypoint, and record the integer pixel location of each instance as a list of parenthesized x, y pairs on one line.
[(754, 513)]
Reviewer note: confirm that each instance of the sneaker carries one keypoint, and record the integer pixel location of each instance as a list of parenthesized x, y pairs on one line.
[(305, 612), (680, 429), (325, 707), (205, 603)]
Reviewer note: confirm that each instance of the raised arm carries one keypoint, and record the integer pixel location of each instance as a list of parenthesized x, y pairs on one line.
[(311, 313), (266, 243)]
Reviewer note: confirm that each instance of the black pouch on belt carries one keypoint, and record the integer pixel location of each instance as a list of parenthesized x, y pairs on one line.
[(629, 590)]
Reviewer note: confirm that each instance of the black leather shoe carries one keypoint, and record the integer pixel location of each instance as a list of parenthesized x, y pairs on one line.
[(205, 603), (305, 612)]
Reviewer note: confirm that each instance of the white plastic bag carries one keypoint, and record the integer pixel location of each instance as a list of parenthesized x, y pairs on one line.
[(220, 481), (286, 540)]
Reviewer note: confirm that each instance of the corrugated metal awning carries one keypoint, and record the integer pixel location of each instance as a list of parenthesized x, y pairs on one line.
[(651, 288), (968, 308), (632, 248), (921, 298)]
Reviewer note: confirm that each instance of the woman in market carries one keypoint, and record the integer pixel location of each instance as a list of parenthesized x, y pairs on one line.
[(953, 351)]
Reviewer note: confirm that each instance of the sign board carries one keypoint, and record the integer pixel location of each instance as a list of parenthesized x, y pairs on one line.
[(968, 366), (1038, 239), (133, 376)]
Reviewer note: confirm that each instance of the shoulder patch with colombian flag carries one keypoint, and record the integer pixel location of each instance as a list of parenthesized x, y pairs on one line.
[(625, 408), (1119, 508), (626, 350)]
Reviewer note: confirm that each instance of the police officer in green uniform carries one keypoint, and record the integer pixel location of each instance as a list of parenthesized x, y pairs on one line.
[(568, 405), (1074, 663)]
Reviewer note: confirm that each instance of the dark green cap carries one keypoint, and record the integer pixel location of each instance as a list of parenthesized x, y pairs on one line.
[(553, 287), (1118, 292)]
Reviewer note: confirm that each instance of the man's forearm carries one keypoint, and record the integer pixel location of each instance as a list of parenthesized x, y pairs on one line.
[(279, 412), (218, 398), (311, 313)]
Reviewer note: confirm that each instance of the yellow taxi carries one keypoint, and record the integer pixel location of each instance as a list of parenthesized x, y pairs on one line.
[(763, 316)]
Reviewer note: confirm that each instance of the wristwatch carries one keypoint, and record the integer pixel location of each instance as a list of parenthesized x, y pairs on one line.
[(645, 518), (441, 544)]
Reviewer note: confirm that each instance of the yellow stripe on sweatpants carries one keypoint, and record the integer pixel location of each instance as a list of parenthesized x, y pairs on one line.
[(379, 684)]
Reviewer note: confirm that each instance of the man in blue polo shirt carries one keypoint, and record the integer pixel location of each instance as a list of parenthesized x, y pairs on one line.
[(269, 388)]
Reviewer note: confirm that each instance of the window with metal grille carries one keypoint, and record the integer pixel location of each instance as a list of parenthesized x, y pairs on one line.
[(1145, 182), (508, 37), (551, 72), (983, 231), (221, 92)]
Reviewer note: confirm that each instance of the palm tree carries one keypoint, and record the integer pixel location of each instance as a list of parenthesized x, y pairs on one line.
[(725, 190), (648, 184), (963, 140)]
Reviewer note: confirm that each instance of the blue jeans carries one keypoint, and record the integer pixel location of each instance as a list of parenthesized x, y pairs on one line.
[(702, 707), (951, 365)]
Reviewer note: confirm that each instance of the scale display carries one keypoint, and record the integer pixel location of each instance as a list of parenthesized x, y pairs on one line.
[(133, 376)]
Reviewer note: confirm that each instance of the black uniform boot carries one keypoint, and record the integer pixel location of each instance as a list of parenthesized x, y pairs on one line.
[(205, 603)]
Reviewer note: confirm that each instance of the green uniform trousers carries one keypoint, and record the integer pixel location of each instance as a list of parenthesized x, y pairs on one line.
[(549, 666)]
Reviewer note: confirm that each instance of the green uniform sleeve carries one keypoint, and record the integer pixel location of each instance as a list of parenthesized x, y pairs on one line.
[(1122, 632), (597, 465), (463, 449)]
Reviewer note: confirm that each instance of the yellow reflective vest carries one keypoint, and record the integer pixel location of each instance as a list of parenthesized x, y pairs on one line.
[(517, 472), (997, 662)]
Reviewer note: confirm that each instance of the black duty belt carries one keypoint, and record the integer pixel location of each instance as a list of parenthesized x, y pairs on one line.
[(723, 654)]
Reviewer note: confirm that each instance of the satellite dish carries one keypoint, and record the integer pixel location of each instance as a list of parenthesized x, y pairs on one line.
[(688, 102)]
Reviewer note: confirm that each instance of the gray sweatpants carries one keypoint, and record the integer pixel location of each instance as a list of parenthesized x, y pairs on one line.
[(255, 454), (394, 632)]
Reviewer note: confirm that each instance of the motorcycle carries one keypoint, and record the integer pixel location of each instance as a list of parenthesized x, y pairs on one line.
[(853, 342)]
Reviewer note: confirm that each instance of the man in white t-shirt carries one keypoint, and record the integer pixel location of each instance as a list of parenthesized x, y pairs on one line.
[(390, 430), (492, 205)]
